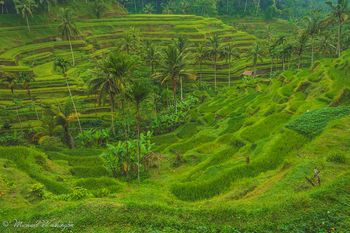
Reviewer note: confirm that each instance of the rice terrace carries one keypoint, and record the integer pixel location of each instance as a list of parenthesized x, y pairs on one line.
[(175, 116)]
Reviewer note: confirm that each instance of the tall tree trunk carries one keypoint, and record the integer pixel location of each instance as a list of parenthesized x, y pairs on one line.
[(257, 8), (271, 67), (30, 97), (181, 89), (227, 7), (229, 73), (200, 72), (312, 51), (68, 137), (215, 73), (73, 102), (111, 99), (245, 6), (339, 39), (174, 93), (27, 23), (126, 131), (71, 50), (138, 141)]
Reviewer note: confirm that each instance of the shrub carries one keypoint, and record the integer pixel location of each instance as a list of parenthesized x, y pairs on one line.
[(37, 191), (312, 123), (78, 193), (336, 158), (12, 139), (50, 143), (104, 192)]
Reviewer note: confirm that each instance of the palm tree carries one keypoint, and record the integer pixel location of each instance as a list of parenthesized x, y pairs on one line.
[(300, 46), (48, 4), (131, 41), (11, 81), (111, 80), (255, 55), (286, 54), (200, 55), (67, 28), (312, 29), (2, 3), (230, 52), (26, 79), (99, 7), (181, 45), (214, 52), (139, 93), (64, 117), (61, 65), (18, 104), (25, 8), (148, 9), (339, 15), (173, 66), (151, 56)]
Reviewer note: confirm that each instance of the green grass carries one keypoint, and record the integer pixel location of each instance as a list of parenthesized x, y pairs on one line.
[(245, 151), (312, 123)]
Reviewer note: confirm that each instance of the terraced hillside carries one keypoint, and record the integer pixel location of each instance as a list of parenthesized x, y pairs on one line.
[(244, 162), (34, 53)]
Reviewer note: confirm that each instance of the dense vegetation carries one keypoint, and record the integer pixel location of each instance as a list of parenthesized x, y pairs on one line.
[(177, 121)]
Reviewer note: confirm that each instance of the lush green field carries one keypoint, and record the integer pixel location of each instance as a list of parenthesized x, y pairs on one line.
[(239, 163), (286, 127)]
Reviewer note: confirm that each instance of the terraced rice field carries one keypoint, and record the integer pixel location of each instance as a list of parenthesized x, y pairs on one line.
[(35, 53)]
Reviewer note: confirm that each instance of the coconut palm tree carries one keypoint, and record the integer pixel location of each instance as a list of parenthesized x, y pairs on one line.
[(139, 93), (181, 44), (48, 3), (255, 55), (67, 29), (131, 41), (25, 8), (286, 54), (300, 46), (26, 79), (151, 56), (111, 79), (172, 67), (64, 117), (339, 15), (61, 65), (214, 52), (2, 3), (99, 7), (313, 29), (230, 52), (149, 8), (200, 56), (10, 80)]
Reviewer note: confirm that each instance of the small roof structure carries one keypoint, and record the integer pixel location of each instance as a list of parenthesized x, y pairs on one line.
[(248, 73)]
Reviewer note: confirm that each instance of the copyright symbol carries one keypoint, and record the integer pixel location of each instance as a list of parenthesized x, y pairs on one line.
[(5, 223)]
